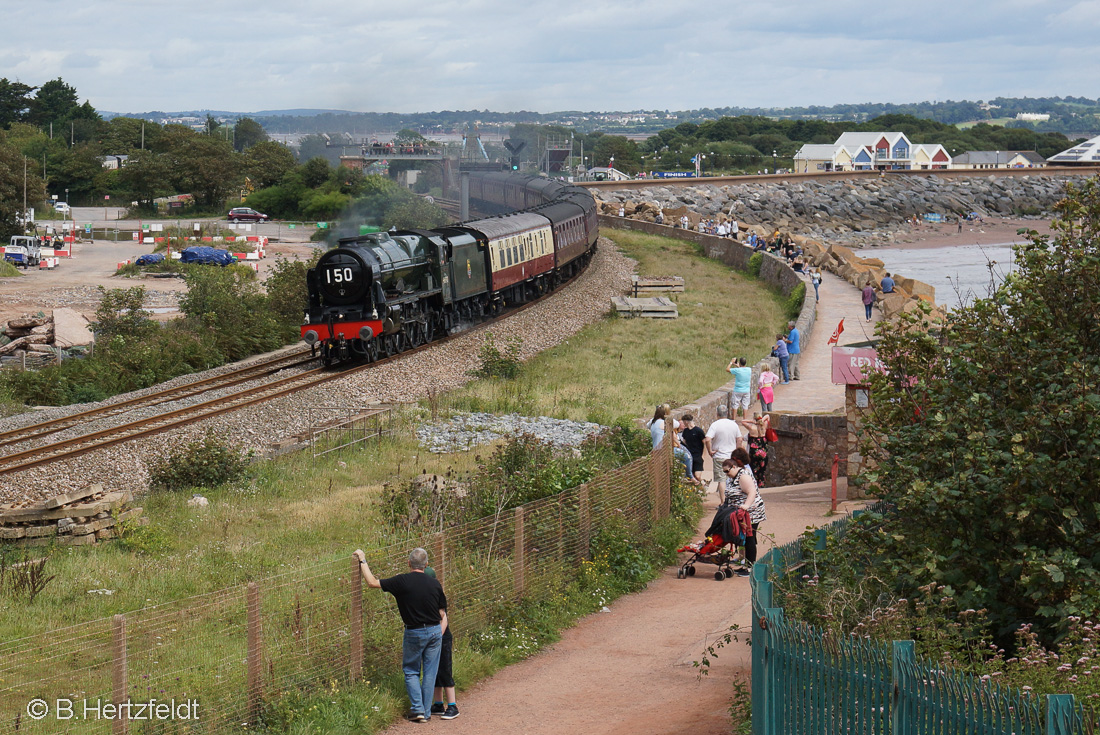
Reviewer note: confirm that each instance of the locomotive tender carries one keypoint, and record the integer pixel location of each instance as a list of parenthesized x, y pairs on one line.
[(379, 294)]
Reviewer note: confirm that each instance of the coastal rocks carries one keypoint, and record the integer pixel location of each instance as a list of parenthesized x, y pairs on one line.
[(861, 212)]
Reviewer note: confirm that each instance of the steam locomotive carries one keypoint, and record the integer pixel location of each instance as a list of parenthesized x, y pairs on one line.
[(379, 294)]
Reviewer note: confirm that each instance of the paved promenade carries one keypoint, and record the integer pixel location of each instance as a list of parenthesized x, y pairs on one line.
[(815, 392)]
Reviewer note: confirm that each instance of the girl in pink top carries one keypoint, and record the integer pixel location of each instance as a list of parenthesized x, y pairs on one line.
[(768, 379)]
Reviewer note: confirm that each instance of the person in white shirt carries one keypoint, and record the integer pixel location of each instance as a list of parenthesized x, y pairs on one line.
[(722, 438)]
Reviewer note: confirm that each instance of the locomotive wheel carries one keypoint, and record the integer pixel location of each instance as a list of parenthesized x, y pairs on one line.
[(416, 335), (372, 350), (429, 329)]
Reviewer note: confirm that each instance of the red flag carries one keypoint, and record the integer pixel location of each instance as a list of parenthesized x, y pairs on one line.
[(836, 334)]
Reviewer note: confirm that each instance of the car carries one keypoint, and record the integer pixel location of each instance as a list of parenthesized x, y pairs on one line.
[(245, 214), (62, 208)]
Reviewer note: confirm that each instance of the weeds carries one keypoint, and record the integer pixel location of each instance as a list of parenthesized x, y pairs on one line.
[(206, 462), (499, 361), (24, 579)]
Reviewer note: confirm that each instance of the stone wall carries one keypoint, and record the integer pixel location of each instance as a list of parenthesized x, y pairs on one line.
[(808, 458)]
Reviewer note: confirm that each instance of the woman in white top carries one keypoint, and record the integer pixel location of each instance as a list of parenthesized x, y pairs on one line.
[(743, 493), (657, 434)]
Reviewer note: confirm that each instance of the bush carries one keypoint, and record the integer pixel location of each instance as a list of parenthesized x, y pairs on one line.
[(206, 462), (792, 305), (497, 362), (756, 261)]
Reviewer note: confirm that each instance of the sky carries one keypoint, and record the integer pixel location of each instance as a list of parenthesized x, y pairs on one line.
[(134, 56)]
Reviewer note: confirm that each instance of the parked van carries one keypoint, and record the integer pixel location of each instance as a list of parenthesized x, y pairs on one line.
[(62, 208), (23, 251)]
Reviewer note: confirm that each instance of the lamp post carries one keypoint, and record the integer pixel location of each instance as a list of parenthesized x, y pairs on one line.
[(775, 162), (702, 172), (67, 204)]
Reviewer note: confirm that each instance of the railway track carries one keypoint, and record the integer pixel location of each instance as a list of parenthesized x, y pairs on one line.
[(243, 374), (25, 459)]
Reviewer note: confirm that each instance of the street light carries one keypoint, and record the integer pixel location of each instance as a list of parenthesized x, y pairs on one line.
[(775, 162)]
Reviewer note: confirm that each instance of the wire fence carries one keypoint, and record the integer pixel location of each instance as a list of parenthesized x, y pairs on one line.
[(210, 663), (805, 680)]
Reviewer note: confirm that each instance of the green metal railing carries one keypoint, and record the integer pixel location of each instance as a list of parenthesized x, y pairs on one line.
[(808, 682)]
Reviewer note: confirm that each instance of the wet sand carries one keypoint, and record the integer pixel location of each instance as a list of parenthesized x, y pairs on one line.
[(993, 231)]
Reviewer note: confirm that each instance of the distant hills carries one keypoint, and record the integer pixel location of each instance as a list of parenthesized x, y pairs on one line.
[(1072, 116)]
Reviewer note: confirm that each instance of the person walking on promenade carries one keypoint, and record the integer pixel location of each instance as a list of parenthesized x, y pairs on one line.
[(794, 350), (722, 438), (815, 279), (768, 380), (758, 445), (868, 299), (742, 384), (423, 608), (780, 351), (743, 492)]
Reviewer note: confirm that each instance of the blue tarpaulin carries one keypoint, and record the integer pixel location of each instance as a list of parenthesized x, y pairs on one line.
[(206, 254), (150, 259)]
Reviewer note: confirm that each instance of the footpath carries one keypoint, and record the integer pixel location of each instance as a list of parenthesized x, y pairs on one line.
[(630, 670)]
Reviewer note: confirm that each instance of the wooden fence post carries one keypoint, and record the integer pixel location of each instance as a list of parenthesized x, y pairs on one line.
[(901, 716), (1062, 718), (255, 653), (119, 674), (518, 556), (356, 627)]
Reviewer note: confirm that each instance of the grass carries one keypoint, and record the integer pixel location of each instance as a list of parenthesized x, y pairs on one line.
[(7, 270), (623, 367)]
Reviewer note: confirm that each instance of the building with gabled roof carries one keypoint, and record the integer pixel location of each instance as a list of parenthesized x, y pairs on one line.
[(871, 152), (998, 159)]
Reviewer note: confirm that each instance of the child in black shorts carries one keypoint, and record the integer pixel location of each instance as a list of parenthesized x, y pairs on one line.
[(444, 677)]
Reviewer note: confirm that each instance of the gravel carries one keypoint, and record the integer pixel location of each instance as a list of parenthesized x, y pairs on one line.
[(468, 430), (440, 368)]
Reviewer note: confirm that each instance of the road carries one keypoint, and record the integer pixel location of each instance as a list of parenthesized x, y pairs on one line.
[(113, 218)]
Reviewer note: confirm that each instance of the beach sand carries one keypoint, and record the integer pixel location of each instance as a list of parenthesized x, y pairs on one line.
[(993, 231)]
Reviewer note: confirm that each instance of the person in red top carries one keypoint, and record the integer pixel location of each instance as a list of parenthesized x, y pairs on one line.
[(868, 299), (423, 608)]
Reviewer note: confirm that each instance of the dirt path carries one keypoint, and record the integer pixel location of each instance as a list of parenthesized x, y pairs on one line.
[(630, 670)]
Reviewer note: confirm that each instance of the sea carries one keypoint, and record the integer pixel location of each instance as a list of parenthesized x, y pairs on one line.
[(958, 272)]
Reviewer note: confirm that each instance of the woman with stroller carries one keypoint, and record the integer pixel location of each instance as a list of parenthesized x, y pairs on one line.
[(742, 492)]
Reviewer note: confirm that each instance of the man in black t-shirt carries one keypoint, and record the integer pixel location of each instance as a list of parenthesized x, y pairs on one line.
[(423, 608)]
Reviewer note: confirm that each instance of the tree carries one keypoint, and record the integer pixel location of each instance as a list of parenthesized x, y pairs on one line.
[(267, 162), (12, 189), (15, 102), (312, 146), (623, 150), (986, 437), (247, 133), (55, 102), (145, 177)]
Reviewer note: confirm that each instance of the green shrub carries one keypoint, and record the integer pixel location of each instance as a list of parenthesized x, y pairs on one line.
[(792, 305), (7, 270), (756, 260), (499, 361), (206, 462)]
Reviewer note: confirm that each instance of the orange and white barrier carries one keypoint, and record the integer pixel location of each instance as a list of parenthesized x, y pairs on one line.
[(48, 263)]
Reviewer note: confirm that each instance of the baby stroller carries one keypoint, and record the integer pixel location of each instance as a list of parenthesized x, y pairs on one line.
[(730, 522)]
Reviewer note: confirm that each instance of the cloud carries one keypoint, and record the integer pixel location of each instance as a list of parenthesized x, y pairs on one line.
[(572, 54)]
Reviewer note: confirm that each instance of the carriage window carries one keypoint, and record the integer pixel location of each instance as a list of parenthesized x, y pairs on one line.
[(509, 252)]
